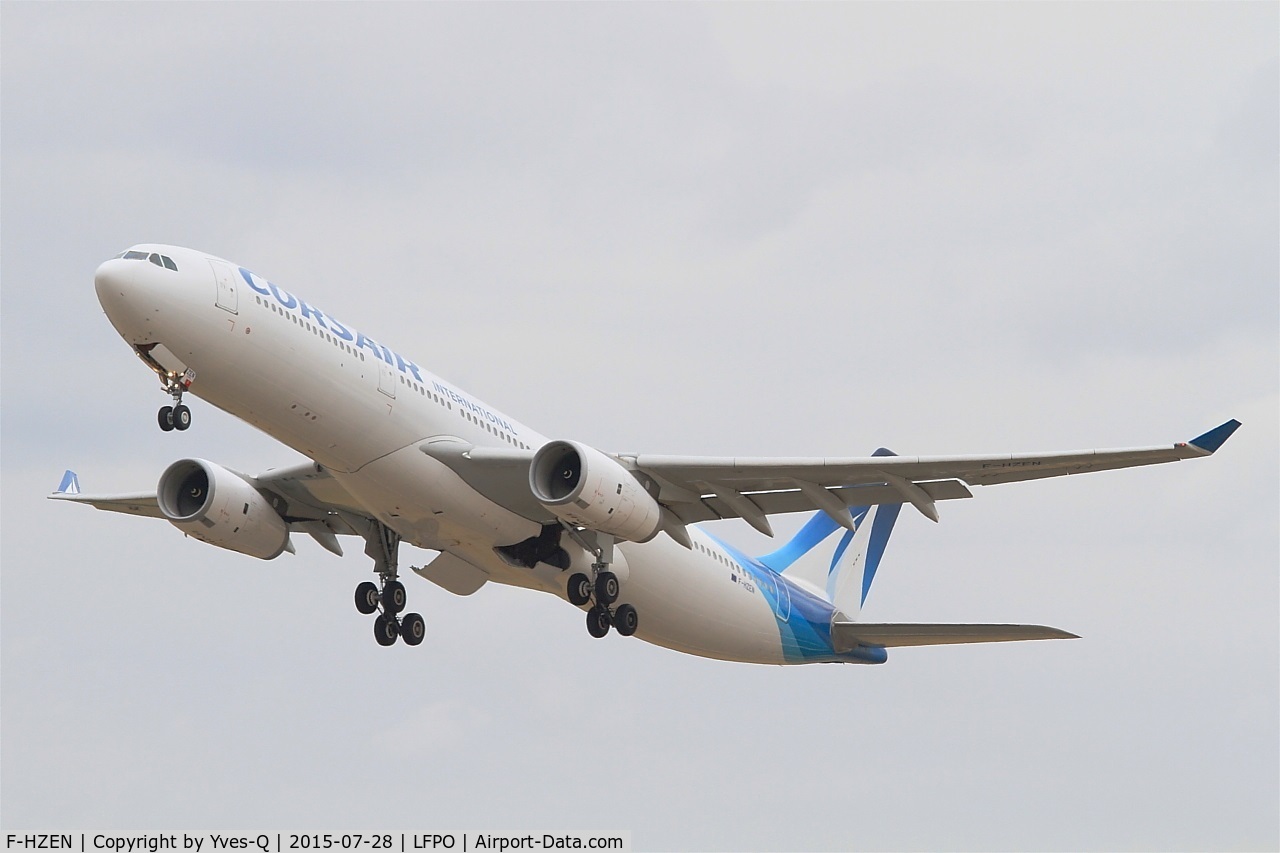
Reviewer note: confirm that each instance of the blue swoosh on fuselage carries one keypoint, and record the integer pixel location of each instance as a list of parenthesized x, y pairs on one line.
[(804, 619)]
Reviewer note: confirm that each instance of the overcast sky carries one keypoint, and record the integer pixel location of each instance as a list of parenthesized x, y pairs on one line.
[(685, 229)]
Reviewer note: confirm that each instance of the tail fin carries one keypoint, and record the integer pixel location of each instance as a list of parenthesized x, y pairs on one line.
[(841, 568)]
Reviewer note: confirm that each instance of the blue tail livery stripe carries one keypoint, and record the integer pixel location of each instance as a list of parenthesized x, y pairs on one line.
[(818, 528), (880, 530)]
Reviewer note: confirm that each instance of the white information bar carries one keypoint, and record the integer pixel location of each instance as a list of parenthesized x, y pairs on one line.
[(434, 840)]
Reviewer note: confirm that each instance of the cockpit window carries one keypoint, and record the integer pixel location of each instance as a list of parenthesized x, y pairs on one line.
[(155, 258)]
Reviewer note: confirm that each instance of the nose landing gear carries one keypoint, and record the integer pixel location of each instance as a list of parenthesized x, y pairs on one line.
[(176, 416), (174, 384)]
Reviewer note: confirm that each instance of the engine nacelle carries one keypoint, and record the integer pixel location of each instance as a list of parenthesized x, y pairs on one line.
[(218, 506), (584, 486)]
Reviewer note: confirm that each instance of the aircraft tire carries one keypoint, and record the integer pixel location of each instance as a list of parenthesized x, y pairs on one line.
[(413, 629), (607, 588), (367, 598), (385, 631), (165, 417), (626, 620), (597, 622), (394, 597), (181, 417), (579, 589)]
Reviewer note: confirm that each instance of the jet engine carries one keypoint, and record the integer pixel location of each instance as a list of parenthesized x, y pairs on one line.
[(585, 487), (220, 507)]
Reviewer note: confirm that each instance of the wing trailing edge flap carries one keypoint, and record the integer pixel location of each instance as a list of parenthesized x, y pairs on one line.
[(453, 573), (802, 500), (321, 531), (846, 636)]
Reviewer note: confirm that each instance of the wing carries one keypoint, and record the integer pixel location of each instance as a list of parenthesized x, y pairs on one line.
[(698, 489), (136, 503), (846, 636), (308, 498), (732, 486)]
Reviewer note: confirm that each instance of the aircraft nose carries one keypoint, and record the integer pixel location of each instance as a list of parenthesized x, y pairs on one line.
[(113, 275), (114, 281)]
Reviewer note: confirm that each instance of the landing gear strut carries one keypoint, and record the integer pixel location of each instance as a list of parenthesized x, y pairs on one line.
[(383, 545), (174, 384), (605, 589)]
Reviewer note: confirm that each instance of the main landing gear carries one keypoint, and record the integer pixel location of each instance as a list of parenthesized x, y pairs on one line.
[(383, 545), (604, 589)]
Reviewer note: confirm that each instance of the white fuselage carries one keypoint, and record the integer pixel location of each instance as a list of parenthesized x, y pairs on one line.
[(363, 410)]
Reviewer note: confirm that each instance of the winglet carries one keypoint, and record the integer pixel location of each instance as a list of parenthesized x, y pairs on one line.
[(70, 484), (1216, 437)]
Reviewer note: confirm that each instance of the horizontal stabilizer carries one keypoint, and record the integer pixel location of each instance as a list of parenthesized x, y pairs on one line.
[(849, 635)]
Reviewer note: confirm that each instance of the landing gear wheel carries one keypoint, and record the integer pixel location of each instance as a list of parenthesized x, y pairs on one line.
[(181, 417), (385, 631), (606, 588), (579, 590), (413, 629), (367, 598), (165, 417), (393, 597), (626, 620), (597, 622)]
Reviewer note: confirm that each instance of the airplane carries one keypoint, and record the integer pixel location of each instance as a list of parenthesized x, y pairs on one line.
[(398, 454)]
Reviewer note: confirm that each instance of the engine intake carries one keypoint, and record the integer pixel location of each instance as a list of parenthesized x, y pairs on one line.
[(583, 486), (218, 506)]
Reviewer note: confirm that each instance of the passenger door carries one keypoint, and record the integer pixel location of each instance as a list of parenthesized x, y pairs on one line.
[(386, 378), (226, 278)]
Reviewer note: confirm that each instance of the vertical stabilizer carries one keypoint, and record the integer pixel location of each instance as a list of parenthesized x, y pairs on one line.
[(838, 564)]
